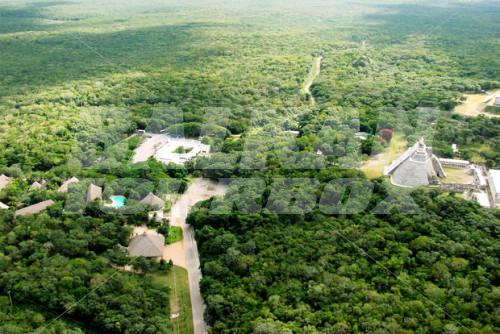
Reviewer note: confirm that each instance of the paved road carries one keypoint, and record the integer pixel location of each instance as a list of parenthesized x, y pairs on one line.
[(199, 190)]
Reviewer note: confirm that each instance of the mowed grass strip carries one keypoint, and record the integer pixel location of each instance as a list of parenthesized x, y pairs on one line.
[(180, 300)]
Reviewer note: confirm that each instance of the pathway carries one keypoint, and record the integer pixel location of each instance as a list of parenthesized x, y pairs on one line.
[(149, 147), (314, 74), (199, 190)]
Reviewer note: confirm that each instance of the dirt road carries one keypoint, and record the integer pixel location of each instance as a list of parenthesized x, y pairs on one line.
[(199, 190), (314, 74)]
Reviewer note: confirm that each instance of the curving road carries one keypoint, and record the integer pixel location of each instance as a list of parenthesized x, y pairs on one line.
[(199, 190)]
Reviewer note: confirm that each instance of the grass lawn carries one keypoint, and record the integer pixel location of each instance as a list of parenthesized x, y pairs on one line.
[(457, 175), (174, 235), (180, 300), (374, 166)]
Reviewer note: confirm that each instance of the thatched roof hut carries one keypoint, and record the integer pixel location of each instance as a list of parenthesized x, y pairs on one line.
[(33, 209), (148, 244), (65, 186), (93, 192)]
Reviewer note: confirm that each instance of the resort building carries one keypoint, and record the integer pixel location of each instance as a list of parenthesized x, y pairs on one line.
[(4, 181), (38, 185), (93, 192), (494, 182), (157, 204), (65, 186), (418, 166), (148, 244), (33, 209), (3, 206)]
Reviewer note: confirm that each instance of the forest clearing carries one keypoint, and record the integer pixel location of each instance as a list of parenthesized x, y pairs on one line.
[(180, 301), (475, 104), (374, 166)]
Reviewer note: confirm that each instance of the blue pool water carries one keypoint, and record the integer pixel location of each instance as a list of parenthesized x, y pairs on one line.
[(118, 201)]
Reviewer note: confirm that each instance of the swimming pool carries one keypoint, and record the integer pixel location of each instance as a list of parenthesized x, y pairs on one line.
[(118, 201)]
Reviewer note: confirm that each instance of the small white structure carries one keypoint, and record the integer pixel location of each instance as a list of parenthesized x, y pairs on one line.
[(454, 148), (180, 150), (3, 206), (361, 135), (494, 182), (482, 198), (169, 149), (293, 132), (497, 100)]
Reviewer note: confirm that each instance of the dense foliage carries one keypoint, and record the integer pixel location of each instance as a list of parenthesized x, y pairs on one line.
[(79, 77), (430, 272), (53, 264)]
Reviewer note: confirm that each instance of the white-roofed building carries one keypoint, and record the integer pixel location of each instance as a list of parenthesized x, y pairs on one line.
[(497, 100), (494, 182), (3, 206), (483, 199)]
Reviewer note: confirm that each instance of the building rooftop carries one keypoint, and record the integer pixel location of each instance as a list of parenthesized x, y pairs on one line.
[(495, 178), (148, 244), (93, 192), (3, 206), (153, 201), (483, 199), (33, 209), (497, 100), (65, 186), (4, 181), (36, 185)]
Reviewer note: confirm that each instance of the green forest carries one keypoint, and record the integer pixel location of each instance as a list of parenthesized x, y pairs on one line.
[(79, 78), (430, 272)]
